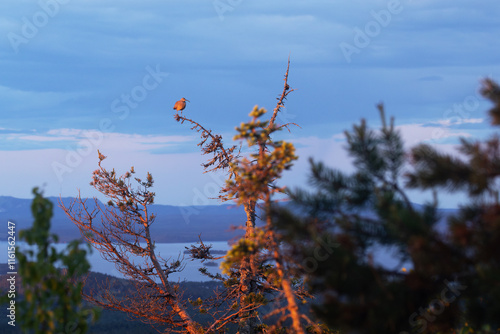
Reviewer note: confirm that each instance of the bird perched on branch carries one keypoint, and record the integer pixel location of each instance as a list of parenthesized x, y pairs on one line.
[(181, 104)]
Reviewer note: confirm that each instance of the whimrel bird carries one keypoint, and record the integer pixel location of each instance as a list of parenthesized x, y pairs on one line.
[(181, 104)]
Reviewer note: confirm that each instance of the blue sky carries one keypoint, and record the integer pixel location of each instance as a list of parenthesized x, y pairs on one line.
[(78, 76)]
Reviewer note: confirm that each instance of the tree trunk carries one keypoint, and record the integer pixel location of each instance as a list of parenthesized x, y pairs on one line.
[(290, 298), (191, 326), (178, 308), (248, 271)]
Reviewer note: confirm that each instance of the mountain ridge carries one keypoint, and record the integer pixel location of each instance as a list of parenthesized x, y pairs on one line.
[(173, 223)]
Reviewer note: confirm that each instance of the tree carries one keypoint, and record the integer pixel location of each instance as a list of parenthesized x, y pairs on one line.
[(120, 231), (251, 181), (255, 268), (51, 280), (452, 279)]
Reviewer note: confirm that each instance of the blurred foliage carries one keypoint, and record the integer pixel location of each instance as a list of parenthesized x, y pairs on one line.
[(447, 279), (51, 281)]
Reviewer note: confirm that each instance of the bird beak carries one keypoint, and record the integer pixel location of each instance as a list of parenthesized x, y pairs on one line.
[(188, 100)]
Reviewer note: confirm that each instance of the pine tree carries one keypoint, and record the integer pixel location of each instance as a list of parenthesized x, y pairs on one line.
[(453, 280), (51, 281)]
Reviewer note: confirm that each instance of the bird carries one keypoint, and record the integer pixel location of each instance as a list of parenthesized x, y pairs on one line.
[(181, 104)]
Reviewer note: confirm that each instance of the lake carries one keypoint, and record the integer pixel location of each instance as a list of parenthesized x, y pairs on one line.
[(382, 256), (165, 250)]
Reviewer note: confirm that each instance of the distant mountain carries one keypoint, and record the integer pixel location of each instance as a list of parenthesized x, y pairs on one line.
[(173, 223)]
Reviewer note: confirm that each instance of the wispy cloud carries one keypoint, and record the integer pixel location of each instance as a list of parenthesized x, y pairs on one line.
[(414, 134), (75, 138), (449, 122)]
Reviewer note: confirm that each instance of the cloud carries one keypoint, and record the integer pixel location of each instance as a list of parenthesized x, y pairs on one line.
[(448, 122), (34, 138), (13, 131), (93, 139), (441, 131), (414, 134), (63, 81), (178, 176), (426, 33)]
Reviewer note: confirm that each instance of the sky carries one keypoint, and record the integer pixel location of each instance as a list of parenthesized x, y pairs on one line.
[(79, 76)]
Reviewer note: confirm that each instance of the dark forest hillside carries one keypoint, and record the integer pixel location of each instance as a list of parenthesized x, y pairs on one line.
[(114, 322)]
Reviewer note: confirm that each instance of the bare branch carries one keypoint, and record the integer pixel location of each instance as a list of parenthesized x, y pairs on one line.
[(282, 98)]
